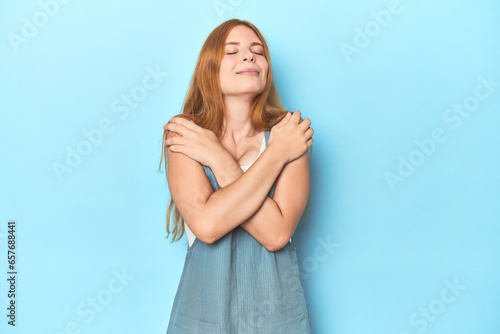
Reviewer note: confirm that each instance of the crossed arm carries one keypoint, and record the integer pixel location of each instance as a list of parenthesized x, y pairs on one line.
[(242, 199), (274, 223)]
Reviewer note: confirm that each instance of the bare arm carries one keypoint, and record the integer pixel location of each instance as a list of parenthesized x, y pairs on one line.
[(275, 221), (211, 215)]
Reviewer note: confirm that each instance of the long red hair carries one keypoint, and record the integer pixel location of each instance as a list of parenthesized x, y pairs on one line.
[(204, 104)]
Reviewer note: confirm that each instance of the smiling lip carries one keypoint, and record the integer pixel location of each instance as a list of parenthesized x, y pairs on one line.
[(248, 71)]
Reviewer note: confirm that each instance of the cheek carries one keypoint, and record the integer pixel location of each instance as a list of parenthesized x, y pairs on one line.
[(264, 68), (226, 69)]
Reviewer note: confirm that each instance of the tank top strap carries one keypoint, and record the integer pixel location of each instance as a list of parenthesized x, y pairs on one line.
[(266, 135), (215, 184), (211, 178)]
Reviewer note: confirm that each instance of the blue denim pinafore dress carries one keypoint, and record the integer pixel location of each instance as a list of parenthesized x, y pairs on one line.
[(236, 286)]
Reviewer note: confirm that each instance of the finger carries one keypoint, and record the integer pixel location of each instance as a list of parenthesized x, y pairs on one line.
[(176, 148), (306, 123), (296, 117), (178, 128), (173, 141), (183, 121), (309, 132), (285, 119), (287, 115)]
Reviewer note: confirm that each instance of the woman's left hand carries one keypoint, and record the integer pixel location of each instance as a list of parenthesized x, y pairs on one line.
[(196, 142)]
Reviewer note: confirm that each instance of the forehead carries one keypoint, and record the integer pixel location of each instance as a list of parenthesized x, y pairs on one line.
[(242, 33)]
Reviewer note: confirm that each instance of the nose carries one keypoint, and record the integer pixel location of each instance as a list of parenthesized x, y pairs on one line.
[(249, 56)]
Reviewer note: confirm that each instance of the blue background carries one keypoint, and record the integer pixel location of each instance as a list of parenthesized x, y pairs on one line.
[(375, 77)]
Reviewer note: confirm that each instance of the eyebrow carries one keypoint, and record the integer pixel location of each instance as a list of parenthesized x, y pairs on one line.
[(238, 43)]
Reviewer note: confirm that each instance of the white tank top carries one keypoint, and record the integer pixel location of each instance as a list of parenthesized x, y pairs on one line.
[(190, 234)]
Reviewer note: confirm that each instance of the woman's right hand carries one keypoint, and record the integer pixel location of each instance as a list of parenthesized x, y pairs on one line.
[(291, 137)]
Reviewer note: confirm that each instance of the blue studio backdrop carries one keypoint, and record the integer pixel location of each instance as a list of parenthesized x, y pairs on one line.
[(403, 230)]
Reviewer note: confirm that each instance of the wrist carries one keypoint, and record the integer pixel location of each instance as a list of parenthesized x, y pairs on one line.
[(277, 155), (219, 159), (225, 169)]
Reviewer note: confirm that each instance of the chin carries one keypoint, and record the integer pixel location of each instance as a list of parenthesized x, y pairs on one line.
[(253, 89), (247, 90)]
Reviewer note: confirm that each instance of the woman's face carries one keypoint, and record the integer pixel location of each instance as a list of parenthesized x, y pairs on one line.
[(243, 70)]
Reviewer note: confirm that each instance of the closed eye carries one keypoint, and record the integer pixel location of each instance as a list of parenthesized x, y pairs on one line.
[(235, 52)]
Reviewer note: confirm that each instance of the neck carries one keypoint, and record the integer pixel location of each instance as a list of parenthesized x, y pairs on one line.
[(237, 118)]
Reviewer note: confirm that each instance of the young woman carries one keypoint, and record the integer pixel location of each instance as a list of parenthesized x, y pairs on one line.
[(238, 175)]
